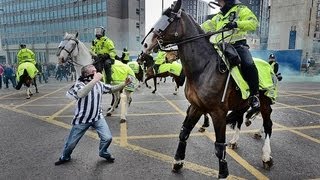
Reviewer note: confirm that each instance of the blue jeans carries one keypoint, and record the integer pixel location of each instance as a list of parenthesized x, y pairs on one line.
[(77, 131)]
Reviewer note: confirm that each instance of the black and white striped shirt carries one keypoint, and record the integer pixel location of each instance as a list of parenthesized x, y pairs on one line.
[(88, 109)]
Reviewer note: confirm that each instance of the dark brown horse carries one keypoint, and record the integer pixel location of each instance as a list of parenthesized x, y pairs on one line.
[(150, 73), (205, 85), (27, 79)]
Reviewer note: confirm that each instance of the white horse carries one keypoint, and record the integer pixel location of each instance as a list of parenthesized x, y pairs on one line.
[(73, 50)]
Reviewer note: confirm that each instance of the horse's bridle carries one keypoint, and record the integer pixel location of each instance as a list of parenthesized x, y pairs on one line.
[(69, 51), (162, 25)]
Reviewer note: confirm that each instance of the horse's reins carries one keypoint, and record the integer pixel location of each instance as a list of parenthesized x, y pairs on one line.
[(189, 39)]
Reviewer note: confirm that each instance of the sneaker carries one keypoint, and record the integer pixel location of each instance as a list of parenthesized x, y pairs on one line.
[(109, 159), (61, 161)]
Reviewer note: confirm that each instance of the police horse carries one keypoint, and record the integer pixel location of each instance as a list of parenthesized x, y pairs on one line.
[(26, 75), (205, 85), (150, 73), (72, 50)]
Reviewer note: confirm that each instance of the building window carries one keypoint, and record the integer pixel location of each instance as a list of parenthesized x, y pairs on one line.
[(138, 38), (137, 11), (137, 25)]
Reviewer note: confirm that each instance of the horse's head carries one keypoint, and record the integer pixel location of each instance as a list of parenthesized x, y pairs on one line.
[(168, 29), (68, 48), (143, 57)]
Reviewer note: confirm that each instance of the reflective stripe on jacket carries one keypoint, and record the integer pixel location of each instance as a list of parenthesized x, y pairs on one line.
[(241, 14)]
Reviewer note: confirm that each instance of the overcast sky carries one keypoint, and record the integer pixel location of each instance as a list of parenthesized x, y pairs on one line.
[(154, 9)]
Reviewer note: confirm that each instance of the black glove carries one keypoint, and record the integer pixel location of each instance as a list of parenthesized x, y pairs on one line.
[(231, 25)]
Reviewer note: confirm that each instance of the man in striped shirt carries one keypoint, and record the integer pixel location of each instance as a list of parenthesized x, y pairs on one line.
[(87, 91)]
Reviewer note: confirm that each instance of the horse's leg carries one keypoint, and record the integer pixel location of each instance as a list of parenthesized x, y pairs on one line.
[(35, 85), (124, 103), (205, 123), (155, 84), (147, 79), (193, 116), (114, 103), (235, 119), (219, 124), (28, 93), (267, 124), (258, 135)]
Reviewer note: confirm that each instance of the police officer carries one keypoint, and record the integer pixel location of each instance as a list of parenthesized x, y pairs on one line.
[(239, 19), (275, 66), (159, 59), (125, 58), (103, 51), (25, 55)]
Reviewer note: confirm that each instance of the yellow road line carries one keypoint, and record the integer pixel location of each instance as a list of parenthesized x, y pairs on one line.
[(123, 135), (299, 133), (60, 111), (232, 153), (153, 154), (30, 101)]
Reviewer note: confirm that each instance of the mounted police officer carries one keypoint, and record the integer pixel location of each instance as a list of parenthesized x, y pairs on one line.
[(239, 19), (103, 52), (25, 55), (125, 58)]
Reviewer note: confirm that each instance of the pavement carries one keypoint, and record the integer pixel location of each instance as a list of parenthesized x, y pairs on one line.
[(33, 131)]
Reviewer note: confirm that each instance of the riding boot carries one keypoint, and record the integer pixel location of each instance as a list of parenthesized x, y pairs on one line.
[(251, 76), (107, 70)]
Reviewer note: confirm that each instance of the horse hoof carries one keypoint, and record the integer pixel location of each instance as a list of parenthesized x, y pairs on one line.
[(175, 93), (122, 121), (153, 92), (233, 145), (247, 123), (267, 165), (177, 167), (257, 136), (149, 87), (37, 91), (202, 129), (28, 97), (108, 114)]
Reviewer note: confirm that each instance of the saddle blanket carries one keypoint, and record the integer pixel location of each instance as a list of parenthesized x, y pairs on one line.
[(31, 70), (267, 80), (174, 68)]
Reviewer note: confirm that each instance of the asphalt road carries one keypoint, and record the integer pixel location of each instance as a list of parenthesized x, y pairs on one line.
[(32, 134)]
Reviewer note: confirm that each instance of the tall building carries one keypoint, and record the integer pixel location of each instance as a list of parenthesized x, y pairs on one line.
[(316, 35), (293, 25), (41, 24), (198, 9)]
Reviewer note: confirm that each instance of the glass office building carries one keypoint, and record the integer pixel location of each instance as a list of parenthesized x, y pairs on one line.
[(41, 24)]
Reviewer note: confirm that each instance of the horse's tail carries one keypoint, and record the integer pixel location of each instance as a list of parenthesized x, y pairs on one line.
[(181, 79)]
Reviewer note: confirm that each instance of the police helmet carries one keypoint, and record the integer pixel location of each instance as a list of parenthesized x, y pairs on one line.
[(272, 56), (99, 31), (23, 45)]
